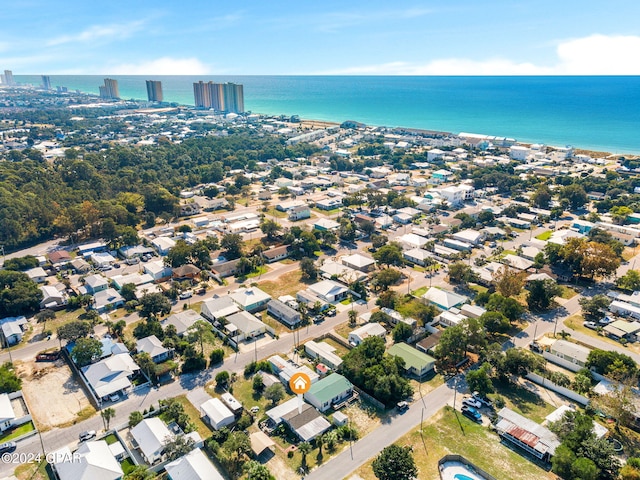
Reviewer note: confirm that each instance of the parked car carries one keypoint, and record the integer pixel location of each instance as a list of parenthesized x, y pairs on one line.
[(472, 414), (87, 435), (606, 320), (402, 406), (591, 325), (255, 409), (472, 402), (116, 265), (331, 312), (104, 268), (7, 447), (114, 397), (493, 244), (186, 294), (132, 261), (484, 400)]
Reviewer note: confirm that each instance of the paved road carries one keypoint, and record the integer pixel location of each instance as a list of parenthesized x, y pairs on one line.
[(370, 445)]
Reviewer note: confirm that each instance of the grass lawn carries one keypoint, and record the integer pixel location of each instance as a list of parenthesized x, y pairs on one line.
[(34, 471), (126, 465), (272, 212), (545, 235), (194, 416), (418, 268), (477, 288), (343, 330), (259, 271), (110, 439), (523, 401), (449, 432), (419, 292), (328, 213), (279, 327), (567, 292), (628, 254), (18, 431), (288, 284), (575, 322), (243, 392), (341, 350), (346, 301)]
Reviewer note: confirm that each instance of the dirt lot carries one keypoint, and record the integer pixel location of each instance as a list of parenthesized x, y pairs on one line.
[(54, 397)]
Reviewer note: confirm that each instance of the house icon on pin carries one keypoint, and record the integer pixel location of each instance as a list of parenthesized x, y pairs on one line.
[(300, 383)]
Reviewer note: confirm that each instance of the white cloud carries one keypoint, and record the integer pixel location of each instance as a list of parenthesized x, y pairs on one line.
[(162, 66), (592, 55), (96, 32)]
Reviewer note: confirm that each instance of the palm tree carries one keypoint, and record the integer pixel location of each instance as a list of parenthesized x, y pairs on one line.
[(305, 449), (352, 318), (320, 441), (107, 414)]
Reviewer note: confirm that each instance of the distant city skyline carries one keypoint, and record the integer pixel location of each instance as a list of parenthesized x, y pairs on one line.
[(466, 37)]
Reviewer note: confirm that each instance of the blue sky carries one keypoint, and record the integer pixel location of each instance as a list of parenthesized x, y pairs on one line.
[(438, 37)]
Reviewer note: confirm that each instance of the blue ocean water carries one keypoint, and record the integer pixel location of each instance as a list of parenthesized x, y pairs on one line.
[(600, 113)]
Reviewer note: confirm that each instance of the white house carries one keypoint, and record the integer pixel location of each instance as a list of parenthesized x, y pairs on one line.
[(329, 290), (444, 299), (182, 321), (12, 329), (323, 352), (411, 241), (37, 274), (107, 300), (153, 346), (243, 325), (250, 299), (216, 414), (92, 461), (217, 308), (417, 256), (95, 283), (357, 336), (157, 270), (473, 237), (358, 262), (150, 437), (52, 297), (163, 244), (519, 152), (111, 375), (193, 466)]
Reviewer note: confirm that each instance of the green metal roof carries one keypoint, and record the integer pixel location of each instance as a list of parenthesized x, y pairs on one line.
[(329, 387), (413, 358)]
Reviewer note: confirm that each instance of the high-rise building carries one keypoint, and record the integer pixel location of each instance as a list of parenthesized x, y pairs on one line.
[(222, 97), (154, 90), (110, 89), (46, 82), (8, 77)]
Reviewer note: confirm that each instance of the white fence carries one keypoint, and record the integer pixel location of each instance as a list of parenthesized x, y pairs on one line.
[(546, 383)]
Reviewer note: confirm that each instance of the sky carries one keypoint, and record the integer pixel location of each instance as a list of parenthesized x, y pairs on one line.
[(372, 37)]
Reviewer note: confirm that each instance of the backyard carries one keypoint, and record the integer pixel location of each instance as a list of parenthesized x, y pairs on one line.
[(288, 284), (448, 432)]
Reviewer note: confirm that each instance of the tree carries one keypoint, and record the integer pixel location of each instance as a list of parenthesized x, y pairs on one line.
[(19, 295), (305, 449), (201, 332), (74, 330), (509, 307), (395, 463), (384, 278), (509, 281), (353, 315), (367, 227), (232, 244), (541, 294), (541, 197), (135, 418), (629, 281), (20, 264), (44, 316), (9, 381), (619, 214), (452, 347), (270, 228), (234, 451), (308, 269), (178, 446), (612, 364), (274, 393), (377, 241), (222, 379), (107, 414), (495, 322), (139, 472), (401, 332), (128, 292), (216, 356), (390, 254), (258, 383), (594, 308), (86, 350), (257, 471), (562, 461), (147, 365), (460, 273), (618, 404), (479, 380), (521, 362), (153, 304), (575, 195)]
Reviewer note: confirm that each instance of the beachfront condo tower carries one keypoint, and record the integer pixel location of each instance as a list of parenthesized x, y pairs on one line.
[(154, 90)]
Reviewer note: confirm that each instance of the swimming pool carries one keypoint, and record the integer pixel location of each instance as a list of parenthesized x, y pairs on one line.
[(462, 476)]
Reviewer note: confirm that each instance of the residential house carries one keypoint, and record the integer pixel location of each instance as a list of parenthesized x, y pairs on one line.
[(52, 298), (111, 375), (92, 460), (153, 346), (117, 281), (417, 256), (457, 245), (231, 403), (102, 259), (12, 330), (299, 213), (108, 299), (95, 283), (570, 352), (13, 410), (226, 268), (526, 434), (284, 313), (517, 262), (216, 414), (357, 336), (307, 424), (185, 272), (329, 203), (411, 241), (37, 274), (341, 273), (59, 257), (472, 237), (150, 437), (275, 254), (163, 245), (358, 262), (324, 352), (243, 325), (193, 466), (182, 321), (158, 271), (402, 218), (217, 308), (416, 363), (330, 392), (325, 224), (250, 299), (260, 442), (472, 311), (623, 329), (80, 266), (444, 299), (329, 291)]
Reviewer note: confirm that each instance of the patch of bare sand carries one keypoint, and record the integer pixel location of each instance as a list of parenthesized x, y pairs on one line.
[(54, 397)]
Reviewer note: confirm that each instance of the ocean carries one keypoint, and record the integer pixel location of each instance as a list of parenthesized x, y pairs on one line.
[(592, 112)]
